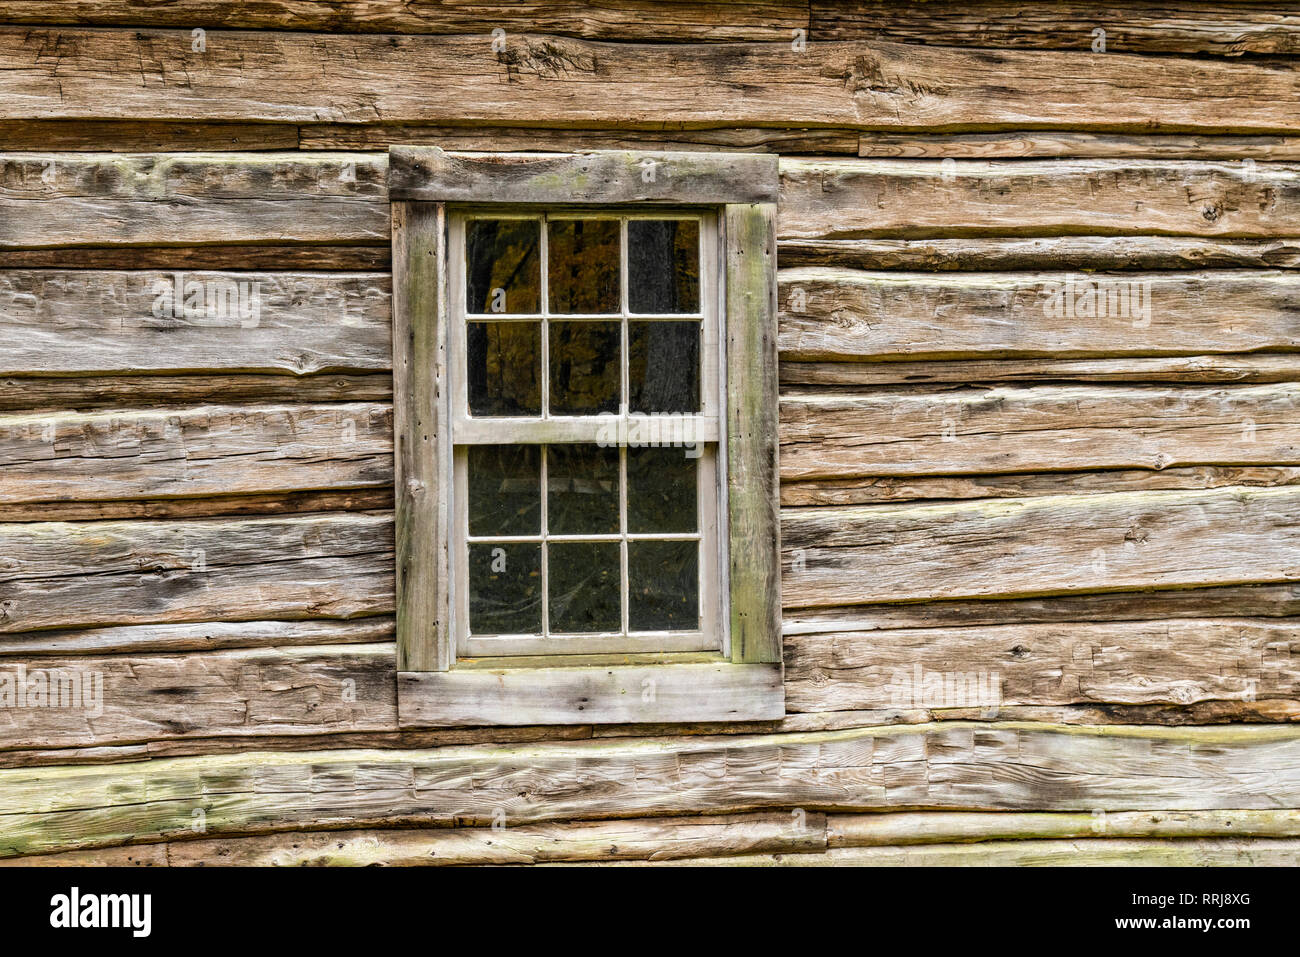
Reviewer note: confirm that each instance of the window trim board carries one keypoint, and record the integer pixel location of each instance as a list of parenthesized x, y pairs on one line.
[(433, 689)]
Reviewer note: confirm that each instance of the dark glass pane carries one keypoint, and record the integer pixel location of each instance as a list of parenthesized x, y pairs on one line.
[(663, 265), (582, 489), (503, 366), (583, 271), (584, 367), (505, 490), (663, 582), (661, 490), (502, 266), (584, 585), (505, 589), (664, 366)]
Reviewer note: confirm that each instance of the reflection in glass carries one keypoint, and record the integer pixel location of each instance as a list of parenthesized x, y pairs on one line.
[(583, 270), (505, 588), (502, 266), (663, 265), (505, 490), (663, 584), (582, 489), (584, 367), (503, 368), (661, 490), (583, 579), (664, 366)]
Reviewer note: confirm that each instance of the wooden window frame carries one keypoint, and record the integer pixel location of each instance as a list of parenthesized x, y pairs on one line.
[(742, 681)]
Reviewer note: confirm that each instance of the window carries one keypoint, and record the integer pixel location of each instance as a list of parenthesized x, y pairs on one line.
[(584, 381), (585, 415)]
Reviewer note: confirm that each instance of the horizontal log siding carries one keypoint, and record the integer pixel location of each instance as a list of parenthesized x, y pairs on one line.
[(1098, 509)]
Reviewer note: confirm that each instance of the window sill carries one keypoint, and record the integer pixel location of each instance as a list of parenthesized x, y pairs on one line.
[(655, 693)]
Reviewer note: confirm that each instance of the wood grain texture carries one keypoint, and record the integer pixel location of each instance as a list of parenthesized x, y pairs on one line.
[(528, 139), (1044, 253), (832, 314), (271, 691), (852, 199), (1263, 367), (292, 258), (876, 489), (1224, 601), (288, 77), (1106, 542), (63, 574), (1148, 662), (753, 520), (201, 636), (1100, 852), (422, 437), (77, 322), (48, 394), (622, 694), (379, 498), (643, 20), (1188, 27), (130, 199), (1042, 429), (431, 174), (210, 450), (107, 135), (1037, 145), (1002, 766), (655, 839)]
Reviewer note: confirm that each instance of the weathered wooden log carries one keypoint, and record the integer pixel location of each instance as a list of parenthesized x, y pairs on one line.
[(63, 575), (839, 314), (114, 199), (209, 450), (74, 322), (1041, 145), (851, 199), (265, 503), (288, 77), (989, 766), (1278, 367), (643, 20), (874, 490), (75, 394), (1196, 27), (290, 258), (1258, 601), (1101, 852), (1043, 253), (202, 636), (118, 137), (787, 141), (1039, 546), (1144, 662), (92, 700), (1040, 429)]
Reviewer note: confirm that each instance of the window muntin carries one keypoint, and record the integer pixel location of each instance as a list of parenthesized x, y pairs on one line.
[(585, 371)]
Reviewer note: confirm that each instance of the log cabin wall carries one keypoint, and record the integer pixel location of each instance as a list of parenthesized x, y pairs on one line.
[(1038, 428)]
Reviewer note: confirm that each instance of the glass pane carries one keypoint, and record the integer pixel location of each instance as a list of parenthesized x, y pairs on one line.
[(583, 265), (582, 490), (505, 490), (663, 580), (584, 367), (664, 366), (502, 266), (663, 265), (505, 589), (504, 361), (661, 490), (584, 585)]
